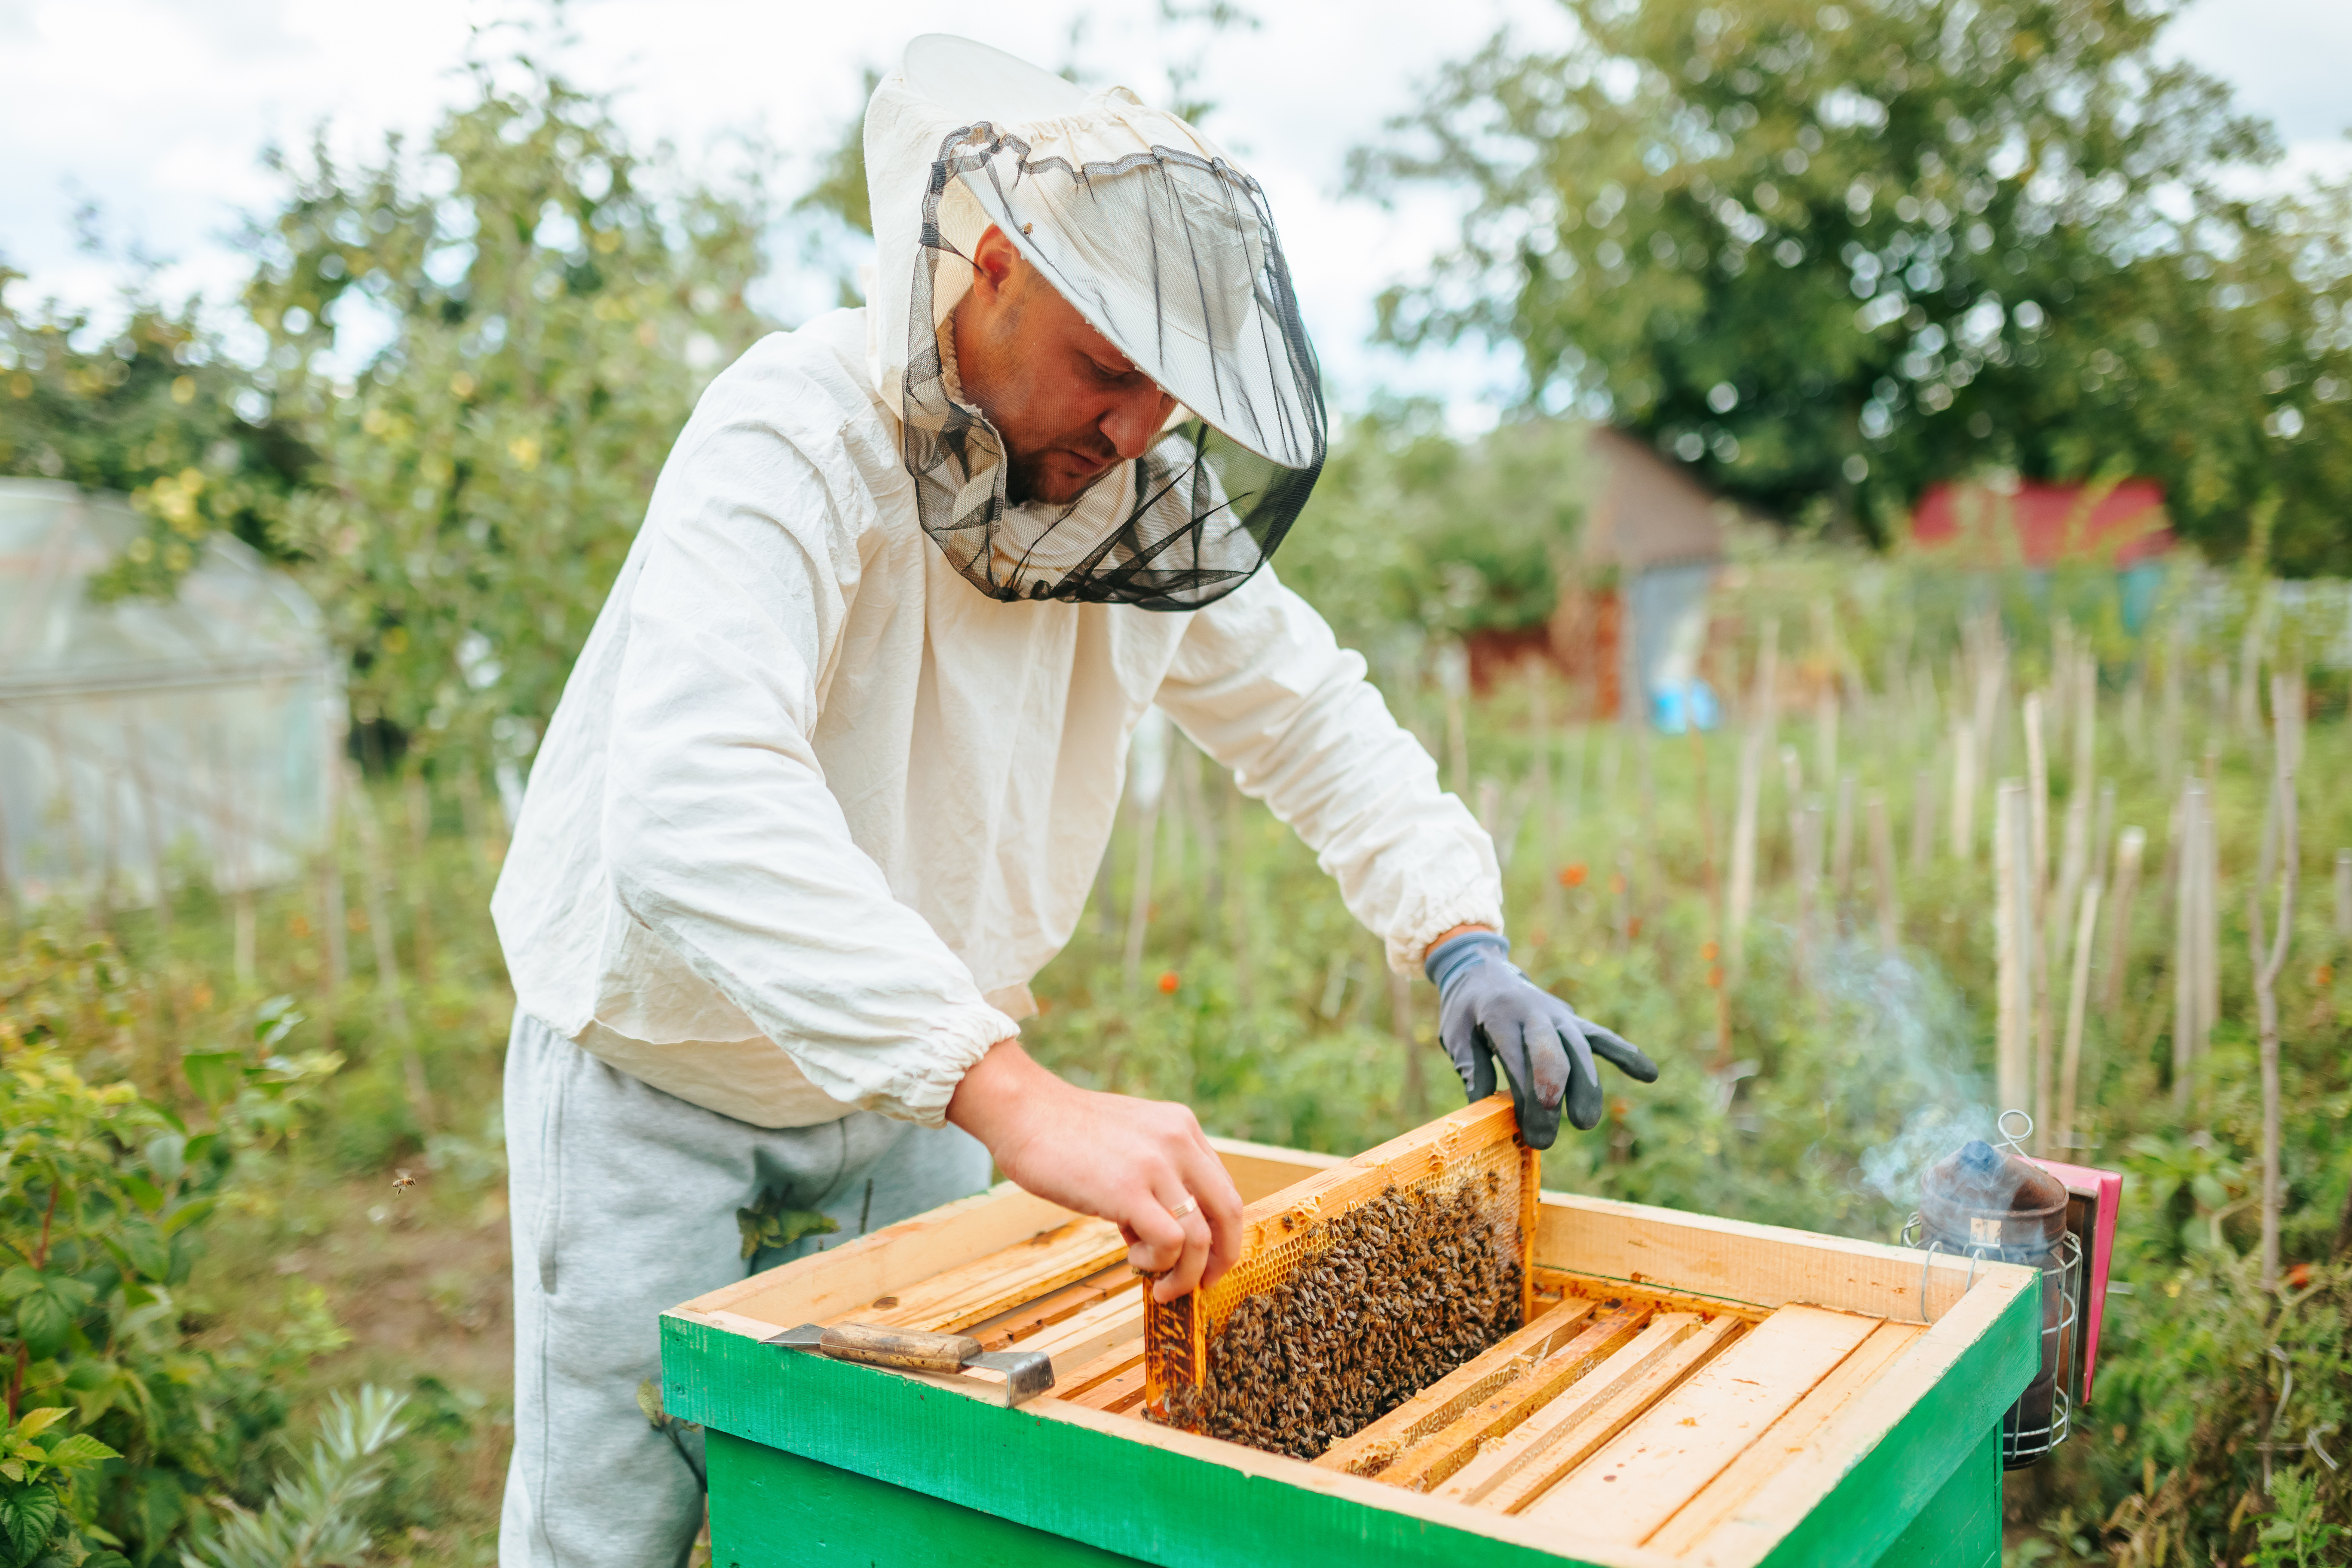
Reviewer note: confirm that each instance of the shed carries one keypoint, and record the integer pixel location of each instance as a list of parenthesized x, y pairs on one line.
[(1656, 534), (143, 741), (2036, 527)]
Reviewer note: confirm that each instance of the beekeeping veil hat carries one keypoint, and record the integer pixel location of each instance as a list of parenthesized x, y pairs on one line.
[(1165, 249)]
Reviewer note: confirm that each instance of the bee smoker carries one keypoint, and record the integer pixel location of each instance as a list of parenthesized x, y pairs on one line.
[(1980, 1202)]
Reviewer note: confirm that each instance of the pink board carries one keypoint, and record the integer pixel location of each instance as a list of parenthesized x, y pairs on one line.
[(2095, 1195)]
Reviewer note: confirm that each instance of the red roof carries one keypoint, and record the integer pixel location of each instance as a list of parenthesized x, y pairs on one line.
[(2037, 524)]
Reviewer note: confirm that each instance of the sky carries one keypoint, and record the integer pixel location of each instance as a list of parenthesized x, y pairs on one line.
[(156, 112)]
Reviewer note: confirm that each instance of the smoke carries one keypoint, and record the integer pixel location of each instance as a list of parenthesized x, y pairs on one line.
[(1909, 1038)]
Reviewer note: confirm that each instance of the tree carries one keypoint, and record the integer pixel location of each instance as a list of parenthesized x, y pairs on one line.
[(1831, 253), (156, 411), (549, 304)]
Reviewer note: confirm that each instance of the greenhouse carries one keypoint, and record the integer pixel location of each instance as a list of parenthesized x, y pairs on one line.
[(147, 742)]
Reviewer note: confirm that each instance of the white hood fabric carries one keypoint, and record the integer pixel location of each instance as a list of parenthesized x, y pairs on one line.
[(1164, 246), (811, 812)]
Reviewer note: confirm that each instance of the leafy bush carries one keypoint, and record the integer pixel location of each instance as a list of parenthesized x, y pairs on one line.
[(103, 1199)]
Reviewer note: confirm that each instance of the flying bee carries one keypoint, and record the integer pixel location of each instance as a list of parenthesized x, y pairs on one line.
[(402, 1180)]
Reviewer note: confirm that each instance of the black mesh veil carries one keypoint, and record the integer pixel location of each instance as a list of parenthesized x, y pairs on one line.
[(1173, 256)]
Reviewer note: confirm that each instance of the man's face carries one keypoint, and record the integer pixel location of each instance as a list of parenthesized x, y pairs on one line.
[(1068, 404)]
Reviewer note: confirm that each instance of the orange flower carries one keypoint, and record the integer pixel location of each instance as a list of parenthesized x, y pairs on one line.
[(1707, 952), (2299, 1276), (1167, 983), (1572, 876)]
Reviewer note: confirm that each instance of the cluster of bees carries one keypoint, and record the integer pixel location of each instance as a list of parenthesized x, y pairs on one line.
[(1405, 1288)]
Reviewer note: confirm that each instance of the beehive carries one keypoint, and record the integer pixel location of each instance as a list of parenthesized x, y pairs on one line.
[(1685, 1390)]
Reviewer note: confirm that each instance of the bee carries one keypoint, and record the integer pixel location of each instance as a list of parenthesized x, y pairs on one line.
[(402, 1180)]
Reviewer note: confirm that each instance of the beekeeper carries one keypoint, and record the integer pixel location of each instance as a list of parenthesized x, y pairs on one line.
[(832, 778)]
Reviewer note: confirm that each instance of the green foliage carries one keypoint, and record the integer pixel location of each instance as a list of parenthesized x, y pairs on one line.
[(550, 314), (35, 1524), (1831, 253), (159, 412), (769, 1225), (1409, 527), (314, 1518), (104, 1198)]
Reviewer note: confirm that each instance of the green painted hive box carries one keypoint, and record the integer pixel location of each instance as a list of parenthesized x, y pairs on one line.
[(1685, 1391)]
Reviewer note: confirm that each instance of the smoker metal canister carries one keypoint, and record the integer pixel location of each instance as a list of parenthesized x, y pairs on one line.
[(1978, 1202)]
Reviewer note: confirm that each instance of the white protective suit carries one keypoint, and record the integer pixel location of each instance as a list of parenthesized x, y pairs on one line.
[(813, 811)]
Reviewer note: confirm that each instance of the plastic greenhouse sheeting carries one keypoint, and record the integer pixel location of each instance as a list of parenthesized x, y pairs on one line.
[(194, 737)]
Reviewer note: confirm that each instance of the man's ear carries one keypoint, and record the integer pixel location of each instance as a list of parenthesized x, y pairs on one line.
[(993, 261)]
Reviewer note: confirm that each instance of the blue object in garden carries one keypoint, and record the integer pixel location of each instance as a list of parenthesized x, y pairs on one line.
[(1675, 708)]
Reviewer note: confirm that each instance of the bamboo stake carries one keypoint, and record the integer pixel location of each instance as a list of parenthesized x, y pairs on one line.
[(1923, 819), (2171, 721), (2188, 962), (1138, 896), (1238, 893), (1454, 684), (1741, 900), (2102, 829), (1882, 855), (1964, 790), (2077, 1001), (1808, 836), (418, 802), (2130, 846), (1792, 781), (1545, 805), (2014, 1061), (2037, 801), (2267, 966), (1416, 1088), (2209, 921), (1713, 899), (1825, 734), (1842, 841), (377, 886)]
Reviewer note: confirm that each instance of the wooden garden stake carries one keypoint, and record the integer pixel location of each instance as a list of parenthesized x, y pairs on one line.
[(419, 802), (1454, 684), (1964, 790), (1882, 855), (1808, 836), (2077, 1005), (2130, 846), (1714, 899), (1825, 735), (2037, 801), (1842, 842), (1740, 901), (2268, 965), (1545, 804), (1923, 819), (1138, 896), (1237, 894), (1416, 1090), (2012, 945), (377, 886), (2103, 827), (2187, 957)]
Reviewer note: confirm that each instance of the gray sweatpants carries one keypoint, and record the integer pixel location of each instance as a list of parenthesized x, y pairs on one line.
[(623, 1204)]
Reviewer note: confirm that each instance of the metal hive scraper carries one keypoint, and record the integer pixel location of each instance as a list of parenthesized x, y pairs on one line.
[(1027, 1373)]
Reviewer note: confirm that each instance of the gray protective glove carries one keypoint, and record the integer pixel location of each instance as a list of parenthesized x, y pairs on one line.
[(1488, 1010)]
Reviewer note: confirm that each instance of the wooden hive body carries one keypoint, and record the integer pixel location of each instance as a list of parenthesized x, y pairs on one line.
[(1686, 1391)]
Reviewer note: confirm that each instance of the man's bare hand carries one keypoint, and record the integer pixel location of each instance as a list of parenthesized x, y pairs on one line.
[(1143, 1164)]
